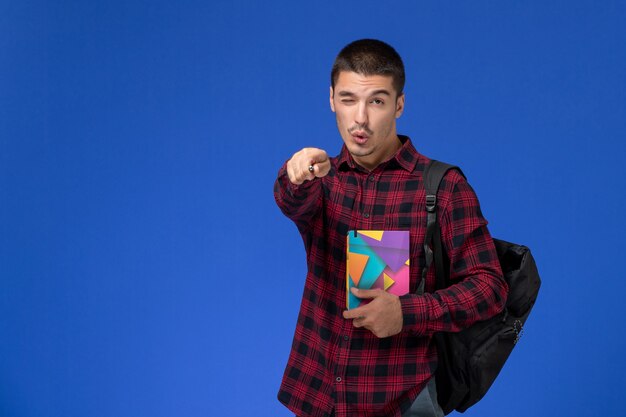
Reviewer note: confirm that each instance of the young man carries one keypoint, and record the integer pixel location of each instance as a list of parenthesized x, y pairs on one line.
[(377, 359)]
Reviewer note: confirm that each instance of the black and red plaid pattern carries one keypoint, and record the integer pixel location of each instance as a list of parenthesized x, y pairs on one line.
[(336, 368)]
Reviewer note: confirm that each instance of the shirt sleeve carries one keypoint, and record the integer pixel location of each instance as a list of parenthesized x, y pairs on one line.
[(478, 291), (300, 203)]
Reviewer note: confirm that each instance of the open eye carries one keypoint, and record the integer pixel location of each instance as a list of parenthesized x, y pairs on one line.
[(377, 101)]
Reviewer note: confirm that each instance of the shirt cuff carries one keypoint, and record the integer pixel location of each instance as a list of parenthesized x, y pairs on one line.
[(414, 312), (290, 188)]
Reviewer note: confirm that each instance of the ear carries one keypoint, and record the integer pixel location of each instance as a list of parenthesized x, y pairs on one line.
[(332, 103), (399, 105)]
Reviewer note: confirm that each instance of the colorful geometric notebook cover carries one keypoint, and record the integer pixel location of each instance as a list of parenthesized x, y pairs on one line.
[(377, 259)]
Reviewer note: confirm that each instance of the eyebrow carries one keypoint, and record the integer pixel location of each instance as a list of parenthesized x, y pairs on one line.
[(374, 93)]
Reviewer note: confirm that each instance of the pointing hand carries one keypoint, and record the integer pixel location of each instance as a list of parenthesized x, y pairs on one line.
[(308, 164)]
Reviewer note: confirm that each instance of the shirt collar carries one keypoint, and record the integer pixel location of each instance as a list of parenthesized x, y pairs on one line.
[(406, 157)]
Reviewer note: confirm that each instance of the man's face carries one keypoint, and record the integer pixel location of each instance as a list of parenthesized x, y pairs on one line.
[(367, 107)]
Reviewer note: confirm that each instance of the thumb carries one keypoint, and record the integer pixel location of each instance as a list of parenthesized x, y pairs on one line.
[(321, 169), (361, 293)]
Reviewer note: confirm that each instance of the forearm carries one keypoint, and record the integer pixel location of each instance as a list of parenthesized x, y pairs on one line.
[(478, 296), (298, 202), (478, 290)]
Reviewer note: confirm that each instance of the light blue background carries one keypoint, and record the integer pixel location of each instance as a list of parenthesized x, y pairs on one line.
[(144, 267)]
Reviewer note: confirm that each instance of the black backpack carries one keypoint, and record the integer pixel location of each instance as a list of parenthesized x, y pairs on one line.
[(469, 361)]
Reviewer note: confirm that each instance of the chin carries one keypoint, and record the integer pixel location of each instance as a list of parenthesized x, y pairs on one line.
[(359, 151)]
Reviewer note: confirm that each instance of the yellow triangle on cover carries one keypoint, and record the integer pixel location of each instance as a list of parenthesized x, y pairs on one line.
[(407, 261), (374, 234), (388, 281), (356, 266)]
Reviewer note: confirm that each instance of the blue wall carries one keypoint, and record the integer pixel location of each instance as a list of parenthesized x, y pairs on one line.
[(144, 267)]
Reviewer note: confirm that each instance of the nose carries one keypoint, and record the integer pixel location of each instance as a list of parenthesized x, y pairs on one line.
[(360, 115)]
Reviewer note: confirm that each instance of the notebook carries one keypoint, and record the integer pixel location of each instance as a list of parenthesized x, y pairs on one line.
[(377, 259)]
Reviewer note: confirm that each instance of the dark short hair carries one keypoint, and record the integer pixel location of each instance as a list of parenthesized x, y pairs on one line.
[(370, 57)]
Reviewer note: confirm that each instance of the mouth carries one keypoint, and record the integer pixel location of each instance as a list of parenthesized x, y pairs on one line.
[(359, 137)]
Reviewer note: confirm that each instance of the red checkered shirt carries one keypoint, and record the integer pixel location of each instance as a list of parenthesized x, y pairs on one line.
[(336, 369)]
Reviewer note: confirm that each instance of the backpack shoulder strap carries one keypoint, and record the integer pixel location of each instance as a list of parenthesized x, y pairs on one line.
[(433, 250), (434, 173)]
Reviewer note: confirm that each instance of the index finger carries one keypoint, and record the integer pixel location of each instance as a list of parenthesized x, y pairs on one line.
[(317, 155)]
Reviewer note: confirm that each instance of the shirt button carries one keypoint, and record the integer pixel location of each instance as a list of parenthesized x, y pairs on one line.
[(346, 338), (371, 179), (366, 215), (338, 379)]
